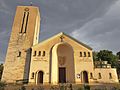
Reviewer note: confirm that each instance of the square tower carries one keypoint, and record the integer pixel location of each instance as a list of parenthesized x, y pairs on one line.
[(25, 34)]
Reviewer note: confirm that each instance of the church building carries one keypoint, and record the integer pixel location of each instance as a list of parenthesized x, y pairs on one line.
[(59, 59)]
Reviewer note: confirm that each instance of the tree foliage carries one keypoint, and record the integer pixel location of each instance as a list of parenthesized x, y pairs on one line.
[(1, 70), (118, 54), (105, 55), (95, 57)]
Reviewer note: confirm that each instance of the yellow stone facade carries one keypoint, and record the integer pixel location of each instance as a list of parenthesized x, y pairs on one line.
[(59, 59), (25, 34)]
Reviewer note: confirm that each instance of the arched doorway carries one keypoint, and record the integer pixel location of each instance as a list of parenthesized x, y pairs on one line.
[(63, 69), (84, 77), (62, 75), (40, 77)]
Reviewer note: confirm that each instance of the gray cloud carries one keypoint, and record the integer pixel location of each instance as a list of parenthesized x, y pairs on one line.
[(92, 21), (70, 15), (102, 32)]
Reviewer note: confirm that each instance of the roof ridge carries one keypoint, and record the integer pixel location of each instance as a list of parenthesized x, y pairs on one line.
[(62, 33)]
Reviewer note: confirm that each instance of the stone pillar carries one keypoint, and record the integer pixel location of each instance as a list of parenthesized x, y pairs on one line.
[(54, 71)]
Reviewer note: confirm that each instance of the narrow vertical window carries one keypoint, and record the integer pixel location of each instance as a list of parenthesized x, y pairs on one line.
[(43, 53), (91, 75), (32, 75), (26, 22), (23, 22), (88, 54), (39, 53), (84, 54), (19, 54), (80, 54), (34, 53), (99, 75), (110, 75)]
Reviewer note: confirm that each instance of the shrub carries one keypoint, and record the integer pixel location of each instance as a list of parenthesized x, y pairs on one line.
[(62, 87), (41, 88), (79, 88), (86, 87), (23, 88), (2, 85)]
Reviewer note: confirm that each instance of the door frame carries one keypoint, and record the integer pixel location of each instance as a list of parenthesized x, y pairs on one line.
[(40, 77), (62, 70), (84, 77)]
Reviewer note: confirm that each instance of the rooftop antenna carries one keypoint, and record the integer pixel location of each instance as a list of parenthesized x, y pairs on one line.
[(31, 4)]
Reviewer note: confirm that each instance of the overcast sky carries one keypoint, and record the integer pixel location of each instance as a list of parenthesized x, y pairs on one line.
[(93, 22)]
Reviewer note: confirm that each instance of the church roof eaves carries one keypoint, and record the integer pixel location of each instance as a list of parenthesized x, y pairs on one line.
[(62, 33), (78, 41), (50, 38)]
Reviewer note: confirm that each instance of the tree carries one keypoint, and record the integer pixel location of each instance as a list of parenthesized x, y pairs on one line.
[(95, 57), (118, 54), (1, 70), (106, 55)]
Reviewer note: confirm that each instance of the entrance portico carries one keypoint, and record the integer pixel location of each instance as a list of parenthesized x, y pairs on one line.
[(62, 64)]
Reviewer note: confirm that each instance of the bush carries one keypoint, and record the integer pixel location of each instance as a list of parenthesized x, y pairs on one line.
[(2, 85), (23, 88), (62, 87), (41, 88), (79, 88), (86, 87)]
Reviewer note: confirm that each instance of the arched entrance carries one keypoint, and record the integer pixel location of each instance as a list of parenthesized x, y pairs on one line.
[(40, 77), (62, 70), (84, 77)]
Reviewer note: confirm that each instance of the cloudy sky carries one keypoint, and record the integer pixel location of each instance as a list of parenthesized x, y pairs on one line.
[(93, 22)]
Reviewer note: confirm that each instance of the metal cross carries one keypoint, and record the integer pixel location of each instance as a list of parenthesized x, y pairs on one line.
[(61, 37), (31, 4)]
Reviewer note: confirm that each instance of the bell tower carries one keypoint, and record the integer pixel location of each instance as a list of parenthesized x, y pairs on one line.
[(25, 34)]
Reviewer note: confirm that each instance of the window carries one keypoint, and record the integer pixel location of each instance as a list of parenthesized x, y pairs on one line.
[(80, 54), (32, 75), (88, 54), (84, 54), (99, 77), (110, 75), (19, 54), (78, 75), (43, 53), (34, 53), (91, 75), (25, 21), (39, 53)]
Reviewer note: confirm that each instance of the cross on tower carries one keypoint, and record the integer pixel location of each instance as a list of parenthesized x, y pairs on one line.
[(31, 4), (61, 37)]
